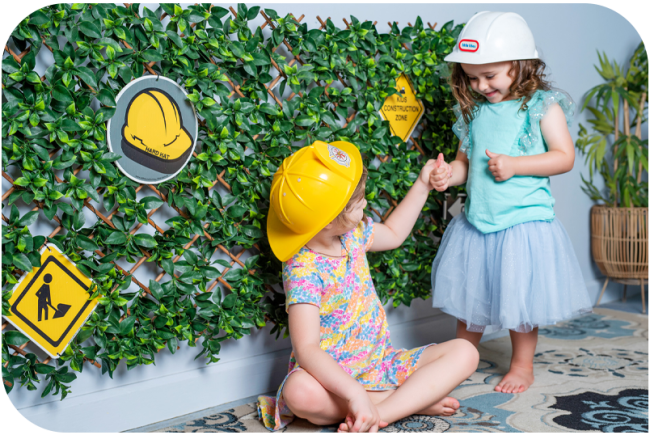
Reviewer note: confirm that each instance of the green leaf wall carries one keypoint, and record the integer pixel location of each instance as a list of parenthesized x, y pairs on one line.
[(261, 93)]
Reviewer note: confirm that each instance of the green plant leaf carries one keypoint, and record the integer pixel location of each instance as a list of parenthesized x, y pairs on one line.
[(89, 28), (145, 240), (151, 202), (15, 338), (116, 238), (21, 261), (28, 219)]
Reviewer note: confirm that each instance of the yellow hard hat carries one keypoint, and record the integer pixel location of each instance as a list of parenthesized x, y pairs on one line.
[(153, 133), (308, 191)]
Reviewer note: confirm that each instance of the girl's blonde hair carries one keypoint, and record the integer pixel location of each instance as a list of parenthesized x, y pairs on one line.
[(528, 76), (357, 196)]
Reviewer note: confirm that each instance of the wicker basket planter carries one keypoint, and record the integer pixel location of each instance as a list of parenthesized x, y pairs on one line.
[(619, 244)]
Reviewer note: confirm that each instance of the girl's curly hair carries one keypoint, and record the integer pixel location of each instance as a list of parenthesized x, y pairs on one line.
[(528, 76)]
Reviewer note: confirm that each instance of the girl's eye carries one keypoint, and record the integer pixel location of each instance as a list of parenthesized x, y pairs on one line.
[(489, 77), (472, 78)]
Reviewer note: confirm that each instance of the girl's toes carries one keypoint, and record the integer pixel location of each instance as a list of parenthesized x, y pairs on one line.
[(449, 406), (450, 402), (448, 411)]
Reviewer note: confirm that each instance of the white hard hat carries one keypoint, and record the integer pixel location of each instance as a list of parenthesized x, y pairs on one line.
[(494, 37)]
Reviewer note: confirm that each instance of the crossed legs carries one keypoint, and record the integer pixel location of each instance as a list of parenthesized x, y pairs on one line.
[(440, 369)]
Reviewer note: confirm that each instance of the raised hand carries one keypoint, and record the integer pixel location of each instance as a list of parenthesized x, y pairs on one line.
[(440, 175), (501, 166)]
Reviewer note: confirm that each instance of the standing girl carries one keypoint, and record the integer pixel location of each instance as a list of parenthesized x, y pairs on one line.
[(343, 367), (506, 262)]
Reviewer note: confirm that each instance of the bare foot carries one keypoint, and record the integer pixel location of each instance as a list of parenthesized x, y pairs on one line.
[(517, 380), (445, 407)]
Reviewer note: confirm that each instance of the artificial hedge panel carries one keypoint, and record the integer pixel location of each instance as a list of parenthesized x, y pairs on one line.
[(260, 96)]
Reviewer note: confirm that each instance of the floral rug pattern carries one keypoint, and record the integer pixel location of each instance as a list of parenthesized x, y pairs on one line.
[(590, 375)]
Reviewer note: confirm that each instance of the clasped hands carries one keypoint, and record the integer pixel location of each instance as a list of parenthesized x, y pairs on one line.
[(501, 166)]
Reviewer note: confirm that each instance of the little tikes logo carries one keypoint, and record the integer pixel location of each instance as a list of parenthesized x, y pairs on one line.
[(468, 45)]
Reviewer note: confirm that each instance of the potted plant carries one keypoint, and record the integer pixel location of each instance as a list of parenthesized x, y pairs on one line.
[(619, 220)]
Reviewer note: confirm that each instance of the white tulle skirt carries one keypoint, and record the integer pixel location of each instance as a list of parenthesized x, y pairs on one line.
[(519, 278)]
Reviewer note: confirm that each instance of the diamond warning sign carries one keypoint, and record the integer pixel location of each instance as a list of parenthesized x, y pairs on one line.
[(402, 110), (50, 304)]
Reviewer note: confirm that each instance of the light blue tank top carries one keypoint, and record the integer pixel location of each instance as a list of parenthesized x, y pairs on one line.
[(503, 128)]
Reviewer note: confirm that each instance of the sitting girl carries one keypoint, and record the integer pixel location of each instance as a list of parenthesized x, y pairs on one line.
[(343, 367)]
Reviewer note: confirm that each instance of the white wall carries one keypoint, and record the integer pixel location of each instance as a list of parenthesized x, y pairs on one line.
[(567, 36)]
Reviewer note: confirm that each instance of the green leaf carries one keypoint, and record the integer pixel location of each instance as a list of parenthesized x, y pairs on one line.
[(61, 93), (15, 338), (152, 56), (190, 257), (305, 120), (21, 261), (175, 37), (87, 75), (145, 240), (116, 238), (151, 202), (86, 243), (106, 97), (127, 325), (89, 28), (252, 231), (237, 211), (28, 219), (229, 301), (44, 369), (156, 289)]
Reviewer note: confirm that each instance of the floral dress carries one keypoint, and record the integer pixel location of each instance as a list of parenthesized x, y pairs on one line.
[(353, 326)]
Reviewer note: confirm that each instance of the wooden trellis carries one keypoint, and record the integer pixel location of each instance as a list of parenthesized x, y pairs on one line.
[(235, 92)]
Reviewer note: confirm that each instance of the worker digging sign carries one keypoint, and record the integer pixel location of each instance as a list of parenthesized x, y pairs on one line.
[(154, 129), (51, 303)]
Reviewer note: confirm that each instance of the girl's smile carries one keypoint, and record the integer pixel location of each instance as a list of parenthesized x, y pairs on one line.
[(492, 80)]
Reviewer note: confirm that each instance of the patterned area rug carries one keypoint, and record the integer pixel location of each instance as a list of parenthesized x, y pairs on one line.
[(591, 374)]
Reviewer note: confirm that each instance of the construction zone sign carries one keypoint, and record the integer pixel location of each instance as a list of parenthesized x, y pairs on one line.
[(154, 129), (51, 303)]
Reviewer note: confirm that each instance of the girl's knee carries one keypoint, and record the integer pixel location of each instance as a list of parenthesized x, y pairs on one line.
[(466, 353), (303, 394)]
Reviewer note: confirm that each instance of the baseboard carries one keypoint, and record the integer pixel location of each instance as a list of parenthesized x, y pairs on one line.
[(140, 404)]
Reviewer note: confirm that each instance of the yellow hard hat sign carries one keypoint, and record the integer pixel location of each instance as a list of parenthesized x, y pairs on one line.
[(50, 304), (154, 134), (402, 110), (154, 129)]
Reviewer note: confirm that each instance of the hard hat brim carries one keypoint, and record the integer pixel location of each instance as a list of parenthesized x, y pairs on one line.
[(284, 242), (471, 59), (165, 166)]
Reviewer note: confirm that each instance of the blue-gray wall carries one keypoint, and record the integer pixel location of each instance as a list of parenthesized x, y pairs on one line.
[(567, 36)]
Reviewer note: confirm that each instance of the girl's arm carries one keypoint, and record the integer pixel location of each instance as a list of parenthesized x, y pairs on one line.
[(398, 226), (557, 160), (304, 329)]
